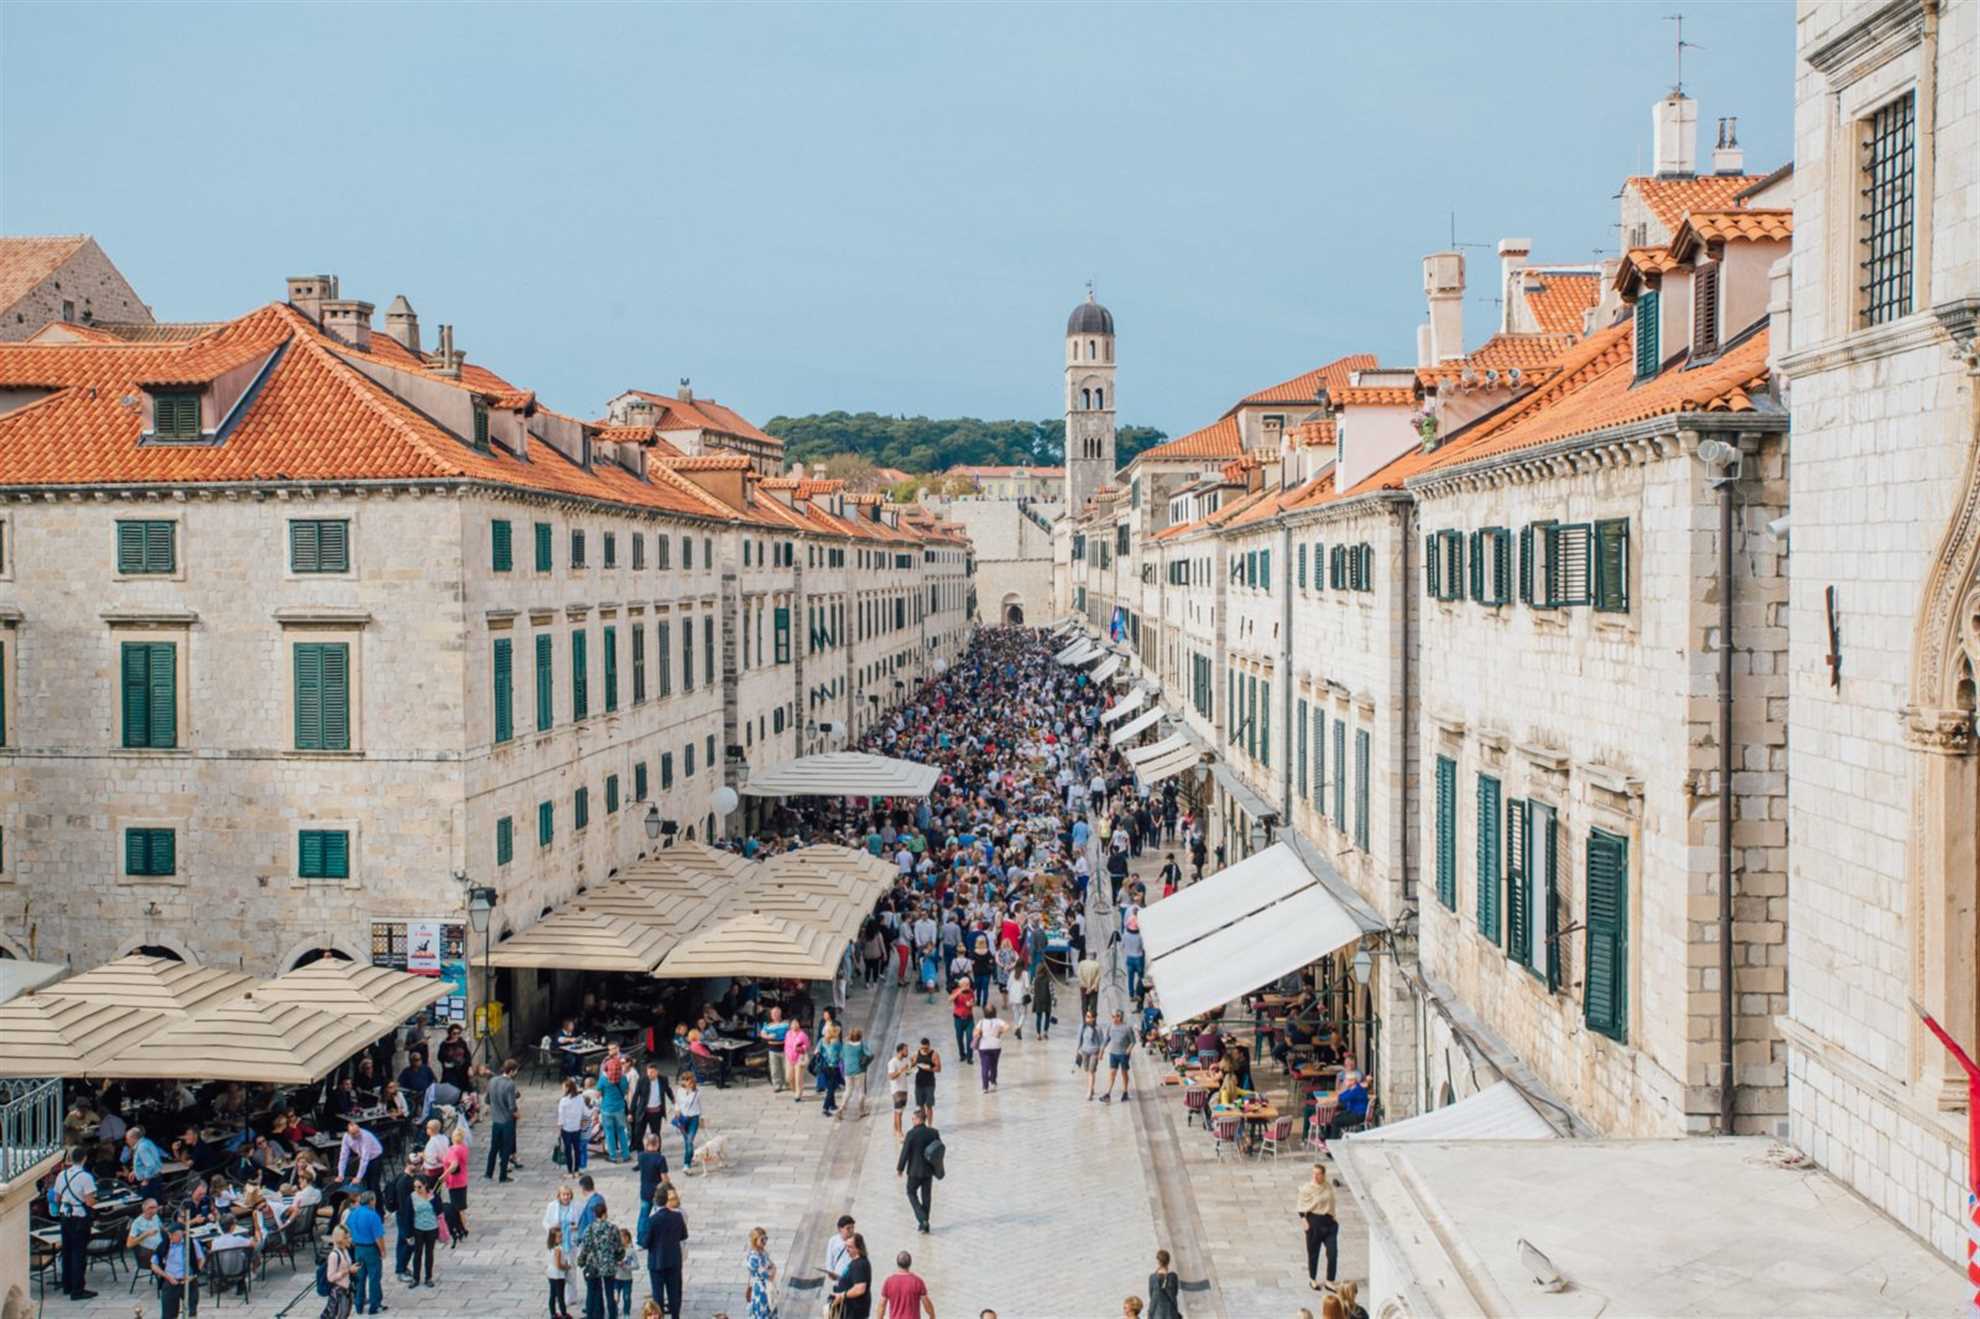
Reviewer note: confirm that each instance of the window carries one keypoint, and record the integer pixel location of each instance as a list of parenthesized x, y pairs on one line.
[(546, 823), (1340, 776), (1320, 760), (319, 545), (687, 555), (546, 685), (746, 545), (638, 550), (323, 854), (502, 557), (610, 640), (1568, 578), (639, 781), (663, 655), (1889, 182), (1532, 908), (175, 416), (666, 770), (708, 649), (580, 679), (611, 549), (687, 654), (505, 723), (687, 760), (1491, 566), (611, 794), (1319, 579), (577, 548), (1704, 310), (1647, 359), (1446, 832), (1265, 570), (150, 853), (1361, 788), (639, 661), (580, 809), (1488, 857), (662, 548), (1605, 999), (146, 547), (505, 840), (323, 696), (481, 427), (1534, 538), (151, 694), (1611, 557), (1265, 724), (1299, 763), (709, 748), (1302, 567)]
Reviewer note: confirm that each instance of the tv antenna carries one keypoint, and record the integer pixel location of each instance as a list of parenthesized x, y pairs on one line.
[(1677, 88)]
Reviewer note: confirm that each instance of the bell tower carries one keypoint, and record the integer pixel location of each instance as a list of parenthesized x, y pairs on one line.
[(1089, 400)]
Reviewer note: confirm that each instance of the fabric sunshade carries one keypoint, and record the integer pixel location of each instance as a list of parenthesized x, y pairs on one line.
[(158, 983), (1155, 769), (1072, 648), (1234, 892), (869, 876), (48, 1035), (675, 910), (1107, 670), (1142, 755), (1255, 950), (18, 976), (580, 939), (1127, 705), (843, 774), (356, 989), (1135, 727), (246, 1038), (757, 944), (1498, 1112)]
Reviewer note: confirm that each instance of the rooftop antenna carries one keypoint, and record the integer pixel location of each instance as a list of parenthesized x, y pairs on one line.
[(1455, 244), (1677, 88), (1089, 290)]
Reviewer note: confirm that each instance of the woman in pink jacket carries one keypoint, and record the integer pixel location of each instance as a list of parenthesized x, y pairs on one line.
[(797, 1046)]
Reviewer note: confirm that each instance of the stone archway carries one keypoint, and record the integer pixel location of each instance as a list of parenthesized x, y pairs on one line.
[(1014, 609)]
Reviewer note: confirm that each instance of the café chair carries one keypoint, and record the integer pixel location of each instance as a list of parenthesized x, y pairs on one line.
[(1227, 1129), (142, 1266), (546, 1066), (109, 1249), (1276, 1136), (230, 1268), (1196, 1103)]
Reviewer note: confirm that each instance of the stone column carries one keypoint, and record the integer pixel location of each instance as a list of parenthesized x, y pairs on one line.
[(1944, 870)]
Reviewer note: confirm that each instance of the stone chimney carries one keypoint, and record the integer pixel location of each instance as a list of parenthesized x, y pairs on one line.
[(1727, 158), (402, 323), (1674, 136), (350, 320), (1424, 357), (1443, 286), (307, 294), (1513, 254), (446, 361), (686, 395)]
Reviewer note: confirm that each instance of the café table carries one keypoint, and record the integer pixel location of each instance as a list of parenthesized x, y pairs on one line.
[(1254, 1115)]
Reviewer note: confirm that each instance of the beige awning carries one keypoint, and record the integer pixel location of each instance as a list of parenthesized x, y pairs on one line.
[(158, 983), (1156, 769), (1127, 705), (699, 857), (246, 1038), (1135, 727), (51, 1036), (1107, 670), (19, 976), (674, 910), (356, 989), (872, 875), (578, 938), (843, 774), (757, 944), (1140, 756)]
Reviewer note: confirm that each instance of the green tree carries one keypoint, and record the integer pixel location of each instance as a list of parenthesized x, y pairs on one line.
[(925, 444)]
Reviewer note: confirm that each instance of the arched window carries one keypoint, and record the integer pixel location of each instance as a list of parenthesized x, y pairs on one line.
[(1092, 353), (1110, 350), (1100, 399), (319, 955), (1086, 398), (156, 950)]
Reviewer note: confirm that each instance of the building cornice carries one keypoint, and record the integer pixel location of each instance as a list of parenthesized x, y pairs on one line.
[(1874, 40), (1638, 444)]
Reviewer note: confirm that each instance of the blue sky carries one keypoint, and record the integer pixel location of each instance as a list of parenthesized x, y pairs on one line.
[(808, 207)]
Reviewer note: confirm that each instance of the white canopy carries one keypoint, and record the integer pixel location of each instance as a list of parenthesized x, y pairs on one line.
[(1234, 892), (1142, 755), (1167, 765), (1073, 649), (1125, 706), (1107, 670), (1254, 950), (1135, 727), (843, 774), (1498, 1112)]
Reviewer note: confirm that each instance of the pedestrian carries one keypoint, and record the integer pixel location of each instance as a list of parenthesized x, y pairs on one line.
[(1087, 1049), (905, 1293), (557, 1271), (830, 1062), (573, 1120), (622, 1281), (1323, 1231), (899, 1069), (797, 1046), (666, 1229), (367, 1230), (339, 1275), (426, 1231), (855, 1286), (962, 1012), (687, 1117), (1088, 972), (920, 1167), (856, 1061), (454, 1175), (75, 1208), (838, 1251), (927, 1065), (652, 1177), (1131, 1308), (612, 1109), (989, 1046), (650, 1096), (1135, 953), (504, 1107), (598, 1259), (1164, 1287), (176, 1267), (1120, 1044), (772, 1034), (1042, 990), (761, 1273)]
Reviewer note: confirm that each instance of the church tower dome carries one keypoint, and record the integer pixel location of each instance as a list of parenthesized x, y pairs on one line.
[(1089, 400)]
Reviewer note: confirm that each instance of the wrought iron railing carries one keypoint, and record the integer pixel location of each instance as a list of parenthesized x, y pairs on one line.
[(30, 1123)]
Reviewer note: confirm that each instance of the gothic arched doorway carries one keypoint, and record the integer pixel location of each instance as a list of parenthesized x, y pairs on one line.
[(1014, 610)]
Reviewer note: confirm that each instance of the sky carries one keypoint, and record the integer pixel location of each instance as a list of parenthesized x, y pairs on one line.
[(860, 206)]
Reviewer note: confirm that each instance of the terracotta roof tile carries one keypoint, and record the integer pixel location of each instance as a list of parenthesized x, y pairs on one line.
[(1558, 299), (1306, 387), (710, 462), (1641, 261), (1732, 226), (704, 414), (1309, 434), (1220, 439), (1670, 199), (1526, 353), (1316, 491), (1375, 397), (26, 261)]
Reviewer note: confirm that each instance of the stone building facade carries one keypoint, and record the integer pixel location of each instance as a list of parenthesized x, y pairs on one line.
[(62, 281)]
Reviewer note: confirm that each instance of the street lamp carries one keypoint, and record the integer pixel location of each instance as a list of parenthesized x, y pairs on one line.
[(480, 908), (652, 824)]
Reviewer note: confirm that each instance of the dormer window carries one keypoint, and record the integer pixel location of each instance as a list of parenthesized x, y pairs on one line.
[(175, 416), (1705, 311), (481, 427), (1648, 358), (1275, 421)]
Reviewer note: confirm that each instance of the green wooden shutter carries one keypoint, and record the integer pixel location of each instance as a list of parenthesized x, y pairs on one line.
[(1605, 999), (336, 854), (639, 662), (137, 693), (1432, 586), (1488, 857), (580, 809), (1447, 832), (611, 793), (687, 654), (336, 697), (708, 648), (1501, 565), (505, 727), (130, 547), (1648, 353), (639, 781), (1519, 911), (1302, 567), (663, 656), (1320, 761), (611, 643), (309, 698), (542, 530), (1340, 776), (580, 679), (1300, 763), (505, 840), (1526, 564), (304, 547), (162, 694), (546, 706), (309, 854), (667, 767), (1544, 845), (501, 545), (1361, 788), (158, 555), (1611, 556), (1477, 559), (137, 852), (546, 823)]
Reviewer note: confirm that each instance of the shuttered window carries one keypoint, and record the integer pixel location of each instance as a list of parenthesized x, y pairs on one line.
[(505, 720), (611, 794), (1605, 998), (542, 531), (1569, 579), (1319, 761), (610, 640), (1361, 788), (150, 683), (546, 685), (577, 547), (1447, 832), (1319, 577), (150, 853), (146, 547), (639, 781), (667, 769), (319, 545), (687, 760), (1299, 764), (323, 854), (175, 416), (546, 823), (639, 550), (580, 674), (323, 696), (1302, 567), (1519, 896), (505, 840), (611, 549), (663, 656), (1488, 857), (708, 648), (1340, 776), (662, 551), (580, 809), (501, 545), (1433, 585), (481, 427), (639, 661), (687, 654), (1647, 355), (1704, 310), (781, 634), (1611, 562)]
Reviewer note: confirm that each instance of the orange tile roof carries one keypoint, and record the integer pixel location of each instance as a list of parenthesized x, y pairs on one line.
[(1309, 434), (1306, 387), (1527, 353), (704, 414), (1316, 491), (1559, 299), (710, 462), (1641, 261), (26, 261), (1220, 439), (1670, 199), (1375, 397), (1732, 226)]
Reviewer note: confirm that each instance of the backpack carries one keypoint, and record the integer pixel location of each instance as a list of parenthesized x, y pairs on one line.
[(323, 1287), (935, 1151)]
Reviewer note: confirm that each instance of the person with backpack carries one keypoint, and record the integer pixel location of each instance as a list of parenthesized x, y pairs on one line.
[(73, 1200), (921, 1162), (598, 1257), (333, 1276), (856, 1060)]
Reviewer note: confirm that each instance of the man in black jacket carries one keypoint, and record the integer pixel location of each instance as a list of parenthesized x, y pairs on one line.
[(398, 1200), (648, 1110), (665, 1231), (918, 1168)]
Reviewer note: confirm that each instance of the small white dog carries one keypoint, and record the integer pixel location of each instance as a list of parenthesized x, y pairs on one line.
[(712, 1153)]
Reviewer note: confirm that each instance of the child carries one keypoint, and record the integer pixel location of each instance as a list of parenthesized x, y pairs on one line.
[(556, 1268), (623, 1280)]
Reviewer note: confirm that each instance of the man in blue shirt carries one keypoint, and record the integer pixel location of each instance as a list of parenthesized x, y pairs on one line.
[(367, 1231), (145, 1159), (178, 1275)]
